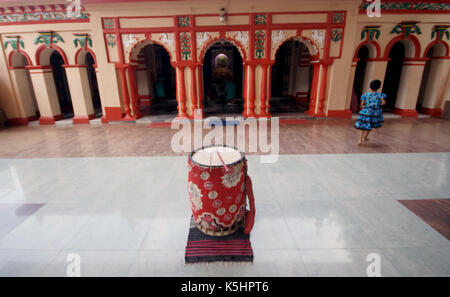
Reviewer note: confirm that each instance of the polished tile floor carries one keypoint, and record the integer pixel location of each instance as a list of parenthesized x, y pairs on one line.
[(312, 136), (317, 215)]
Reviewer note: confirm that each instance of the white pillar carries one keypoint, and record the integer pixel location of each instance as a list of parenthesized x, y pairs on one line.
[(24, 90), (80, 92), (46, 94), (436, 87), (409, 88)]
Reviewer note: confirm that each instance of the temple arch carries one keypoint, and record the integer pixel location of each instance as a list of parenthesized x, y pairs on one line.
[(222, 85), (152, 78), (292, 74)]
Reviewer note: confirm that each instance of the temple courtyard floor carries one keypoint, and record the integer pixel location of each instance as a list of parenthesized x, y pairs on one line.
[(115, 195)]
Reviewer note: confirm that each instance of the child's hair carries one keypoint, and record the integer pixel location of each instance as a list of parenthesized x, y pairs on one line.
[(375, 85)]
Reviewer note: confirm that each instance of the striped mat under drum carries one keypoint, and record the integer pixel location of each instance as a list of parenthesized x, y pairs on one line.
[(231, 248)]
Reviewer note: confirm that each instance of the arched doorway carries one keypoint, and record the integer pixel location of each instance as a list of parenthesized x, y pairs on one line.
[(61, 84), (86, 58), (291, 78), (155, 81), (432, 86), (425, 79), (23, 85), (93, 84), (223, 79), (393, 74), (360, 76)]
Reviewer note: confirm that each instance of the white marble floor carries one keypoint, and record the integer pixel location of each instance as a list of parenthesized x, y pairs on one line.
[(317, 215)]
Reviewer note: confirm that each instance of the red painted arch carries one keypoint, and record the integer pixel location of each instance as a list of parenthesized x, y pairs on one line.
[(447, 50), (30, 63), (233, 41), (412, 38), (56, 48), (312, 58), (87, 50), (133, 48), (374, 43)]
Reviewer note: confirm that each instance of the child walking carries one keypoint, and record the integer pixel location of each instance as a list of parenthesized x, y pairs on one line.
[(371, 114)]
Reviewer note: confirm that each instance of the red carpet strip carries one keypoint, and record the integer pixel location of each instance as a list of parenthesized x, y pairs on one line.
[(203, 248)]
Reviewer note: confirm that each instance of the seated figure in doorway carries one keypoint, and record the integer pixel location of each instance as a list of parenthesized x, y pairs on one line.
[(222, 85), (230, 91), (159, 87)]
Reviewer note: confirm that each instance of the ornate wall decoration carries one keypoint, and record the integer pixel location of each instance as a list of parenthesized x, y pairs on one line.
[(260, 44), (414, 6), (128, 40), (372, 32), (241, 37), (202, 37), (278, 36), (111, 40), (336, 35), (184, 21), (318, 36), (440, 31), (48, 38), (109, 24), (15, 42), (185, 46), (406, 28), (168, 40), (40, 13), (260, 19), (338, 18), (312, 48), (83, 40)]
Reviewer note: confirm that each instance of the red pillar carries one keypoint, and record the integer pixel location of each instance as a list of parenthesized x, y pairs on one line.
[(314, 84), (182, 93), (200, 86), (251, 101), (263, 97), (134, 91), (323, 90), (194, 98), (126, 98), (269, 90), (244, 114)]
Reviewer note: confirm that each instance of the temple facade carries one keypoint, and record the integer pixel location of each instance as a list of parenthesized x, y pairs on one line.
[(122, 60)]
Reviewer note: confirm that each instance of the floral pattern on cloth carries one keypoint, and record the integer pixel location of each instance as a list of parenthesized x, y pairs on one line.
[(209, 221), (217, 196), (195, 195), (371, 116), (231, 179)]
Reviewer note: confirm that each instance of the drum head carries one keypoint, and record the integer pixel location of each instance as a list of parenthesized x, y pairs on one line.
[(208, 156)]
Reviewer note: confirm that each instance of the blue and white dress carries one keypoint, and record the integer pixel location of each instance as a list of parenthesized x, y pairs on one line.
[(371, 116)]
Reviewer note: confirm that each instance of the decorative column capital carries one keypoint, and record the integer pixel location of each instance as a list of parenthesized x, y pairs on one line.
[(121, 66)]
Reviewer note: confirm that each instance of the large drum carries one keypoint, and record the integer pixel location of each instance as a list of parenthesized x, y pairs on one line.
[(218, 186)]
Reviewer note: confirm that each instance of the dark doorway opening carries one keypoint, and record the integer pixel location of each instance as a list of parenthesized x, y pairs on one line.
[(360, 75), (425, 79), (393, 75), (291, 77), (93, 84), (222, 79), (61, 84), (156, 79)]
